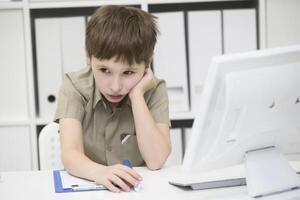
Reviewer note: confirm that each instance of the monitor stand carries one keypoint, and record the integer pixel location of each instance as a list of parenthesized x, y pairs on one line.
[(268, 172)]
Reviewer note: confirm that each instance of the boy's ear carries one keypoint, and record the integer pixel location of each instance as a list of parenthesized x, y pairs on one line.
[(88, 58), (88, 61), (150, 62)]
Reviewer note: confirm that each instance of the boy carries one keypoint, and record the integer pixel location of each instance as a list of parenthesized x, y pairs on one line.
[(115, 109)]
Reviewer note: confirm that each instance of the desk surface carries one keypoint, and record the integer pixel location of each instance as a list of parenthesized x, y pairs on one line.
[(39, 185)]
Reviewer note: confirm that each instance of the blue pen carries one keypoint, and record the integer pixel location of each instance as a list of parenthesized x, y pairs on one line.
[(128, 164)]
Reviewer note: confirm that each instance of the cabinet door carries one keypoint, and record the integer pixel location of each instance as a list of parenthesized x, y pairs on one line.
[(205, 41), (170, 59), (282, 22), (13, 87), (239, 30), (15, 151), (59, 48)]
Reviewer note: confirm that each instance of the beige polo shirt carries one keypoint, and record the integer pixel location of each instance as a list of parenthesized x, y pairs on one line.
[(108, 131)]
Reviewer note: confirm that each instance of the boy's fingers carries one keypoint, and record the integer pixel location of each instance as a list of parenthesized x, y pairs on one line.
[(128, 178), (118, 181), (111, 187), (131, 171)]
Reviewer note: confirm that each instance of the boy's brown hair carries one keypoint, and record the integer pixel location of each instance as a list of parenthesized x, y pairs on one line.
[(127, 33)]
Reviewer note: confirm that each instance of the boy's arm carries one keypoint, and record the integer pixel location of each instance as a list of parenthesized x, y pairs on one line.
[(153, 138), (76, 163)]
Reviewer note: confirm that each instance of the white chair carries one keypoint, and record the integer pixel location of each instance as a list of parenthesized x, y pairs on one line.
[(49, 148)]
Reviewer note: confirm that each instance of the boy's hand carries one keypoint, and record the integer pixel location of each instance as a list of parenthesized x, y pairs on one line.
[(118, 177), (146, 83)]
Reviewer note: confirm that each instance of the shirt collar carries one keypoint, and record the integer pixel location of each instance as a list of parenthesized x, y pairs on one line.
[(97, 97), (127, 101)]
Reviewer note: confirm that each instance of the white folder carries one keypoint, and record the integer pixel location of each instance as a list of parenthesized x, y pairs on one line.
[(49, 63), (73, 43), (175, 158), (239, 30), (170, 59), (14, 100), (205, 41), (59, 48), (282, 23)]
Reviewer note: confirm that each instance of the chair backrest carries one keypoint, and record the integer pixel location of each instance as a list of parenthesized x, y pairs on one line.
[(49, 147)]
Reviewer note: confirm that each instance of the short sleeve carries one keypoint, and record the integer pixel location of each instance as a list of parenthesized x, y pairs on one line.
[(159, 104), (70, 102)]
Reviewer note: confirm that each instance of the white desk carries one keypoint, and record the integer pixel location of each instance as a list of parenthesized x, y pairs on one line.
[(32, 185)]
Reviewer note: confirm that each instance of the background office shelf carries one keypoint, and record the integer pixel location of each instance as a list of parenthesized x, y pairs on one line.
[(199, 29), (76, 4), (10, 5)]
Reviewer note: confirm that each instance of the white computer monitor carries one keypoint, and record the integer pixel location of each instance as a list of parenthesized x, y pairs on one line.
[(250, 100)]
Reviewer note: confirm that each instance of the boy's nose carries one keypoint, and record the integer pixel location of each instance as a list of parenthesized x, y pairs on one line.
[(116, 85)]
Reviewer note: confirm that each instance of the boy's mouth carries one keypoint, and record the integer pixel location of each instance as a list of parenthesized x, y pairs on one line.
[(115, 97)]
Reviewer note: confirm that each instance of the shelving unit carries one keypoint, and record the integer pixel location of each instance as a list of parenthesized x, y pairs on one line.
[(77, 4), (11, 5), (26, 121)]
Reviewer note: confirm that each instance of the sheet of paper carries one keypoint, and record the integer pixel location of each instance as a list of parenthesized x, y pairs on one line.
[(68, 180)]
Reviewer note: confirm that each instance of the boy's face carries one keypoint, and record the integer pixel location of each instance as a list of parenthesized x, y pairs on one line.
[(115, 79)]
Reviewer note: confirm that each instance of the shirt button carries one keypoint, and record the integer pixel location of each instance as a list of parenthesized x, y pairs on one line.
[(108, 148)]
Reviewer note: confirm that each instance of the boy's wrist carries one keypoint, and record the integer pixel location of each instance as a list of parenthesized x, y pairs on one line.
[(135, 94), (96, 169)]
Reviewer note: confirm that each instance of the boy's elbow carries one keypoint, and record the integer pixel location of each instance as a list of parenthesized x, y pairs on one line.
[(154, 166), (158, 163), (68, 161)]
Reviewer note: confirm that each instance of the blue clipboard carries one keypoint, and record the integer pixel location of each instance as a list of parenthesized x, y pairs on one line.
[(58, 186)]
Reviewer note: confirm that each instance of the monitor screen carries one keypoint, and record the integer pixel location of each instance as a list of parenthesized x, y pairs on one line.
[(250, 101)]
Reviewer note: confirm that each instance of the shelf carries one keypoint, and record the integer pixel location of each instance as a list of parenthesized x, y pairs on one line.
[(11, 5), (17, 122), (43, 121), (87, 3), (181, 115), (180, 1)]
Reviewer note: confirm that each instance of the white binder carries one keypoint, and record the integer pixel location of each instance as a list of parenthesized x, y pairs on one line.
[(175, 158), (205, 41), (59, 48), (49, 62), (282, 23), (73, 43), (14, 100), (170, 59), (239, 30)]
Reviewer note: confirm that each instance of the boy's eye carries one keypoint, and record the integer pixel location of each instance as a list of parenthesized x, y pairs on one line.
[(104, 70), (128, 72)]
